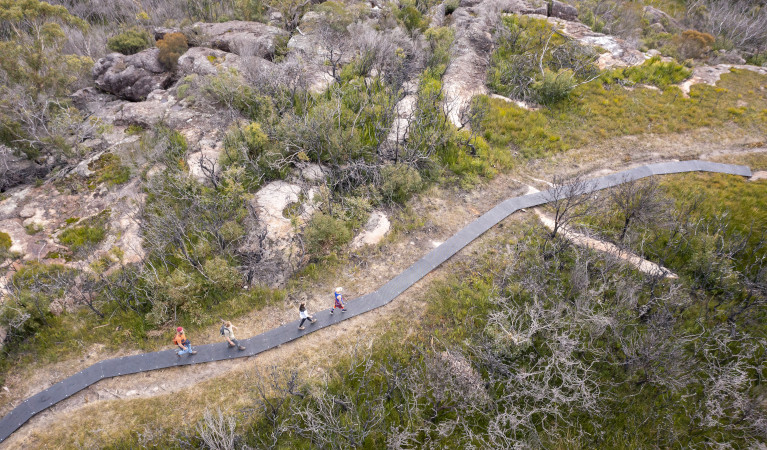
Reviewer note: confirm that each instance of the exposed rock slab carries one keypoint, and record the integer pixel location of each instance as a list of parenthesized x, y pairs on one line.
[(273, 238), (239, 37), (473, 23), (208, 61), (619, 52), (131, 77), (711, 74), (375, 229)]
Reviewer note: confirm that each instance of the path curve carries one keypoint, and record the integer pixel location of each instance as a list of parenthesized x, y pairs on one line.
[(219, 351)]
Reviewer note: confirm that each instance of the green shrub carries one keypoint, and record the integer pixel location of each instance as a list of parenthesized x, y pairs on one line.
[(130, 41), (5, 245), (412, 18), (400, 182), (172, 46), (325, 234), (657, 73)]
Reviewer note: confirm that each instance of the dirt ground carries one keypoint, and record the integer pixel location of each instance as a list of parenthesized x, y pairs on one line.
[(444, 211)]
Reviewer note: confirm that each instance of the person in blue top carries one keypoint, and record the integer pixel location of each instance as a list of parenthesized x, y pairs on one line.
[(340, 303)]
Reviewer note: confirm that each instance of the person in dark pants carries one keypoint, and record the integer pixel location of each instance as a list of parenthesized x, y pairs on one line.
[(229, 335), (304, 314)]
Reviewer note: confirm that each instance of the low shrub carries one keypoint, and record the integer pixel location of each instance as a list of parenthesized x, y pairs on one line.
[(5, 241), (400, 182), (692, 44), (554, 87), (172, 46), (5, 245), (325, 234), (130, 41), (412, 18)]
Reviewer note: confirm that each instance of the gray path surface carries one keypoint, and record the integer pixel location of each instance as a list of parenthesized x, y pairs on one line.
[(289, 332)]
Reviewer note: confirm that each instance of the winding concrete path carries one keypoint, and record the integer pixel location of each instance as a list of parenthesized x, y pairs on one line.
[(289, 332)]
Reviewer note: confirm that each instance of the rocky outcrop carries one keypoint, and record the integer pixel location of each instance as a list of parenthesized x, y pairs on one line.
[(238, 37), (207, 61), (272, 243), (131, 77), (375, 229), (473, 23), (711, 74), (619, 52), (562, 11), (661, 20)]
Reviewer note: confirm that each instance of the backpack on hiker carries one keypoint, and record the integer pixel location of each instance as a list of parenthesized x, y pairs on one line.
[(223, 330)]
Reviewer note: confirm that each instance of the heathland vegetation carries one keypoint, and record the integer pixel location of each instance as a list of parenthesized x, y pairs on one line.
[(531, 341)]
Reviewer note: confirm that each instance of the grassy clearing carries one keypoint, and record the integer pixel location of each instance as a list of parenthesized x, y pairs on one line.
[(597, 111)]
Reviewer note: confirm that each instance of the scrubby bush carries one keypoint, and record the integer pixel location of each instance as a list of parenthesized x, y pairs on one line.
[(412, 18), (172, 46), (692, 44), (741, 23), (130, 41), (400, 181), (451, 6), (325, 234), (554, 87), (533, 63), (5, 244)]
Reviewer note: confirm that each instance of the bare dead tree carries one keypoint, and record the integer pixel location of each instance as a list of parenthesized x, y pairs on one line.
[(342, 419), (741, 22), (636, 202), (217, 430), (569, 200)]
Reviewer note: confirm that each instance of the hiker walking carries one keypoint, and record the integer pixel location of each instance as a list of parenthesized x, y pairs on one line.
[(304, 314), (227, 330), (183, 343), (340, 303)]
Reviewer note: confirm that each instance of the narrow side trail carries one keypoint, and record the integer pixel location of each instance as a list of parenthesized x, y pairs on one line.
[(384, 295)]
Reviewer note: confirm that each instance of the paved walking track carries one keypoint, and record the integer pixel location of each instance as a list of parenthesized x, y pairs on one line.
[(286, 333)]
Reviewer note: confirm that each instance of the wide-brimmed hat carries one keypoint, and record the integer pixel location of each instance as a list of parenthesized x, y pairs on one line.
[(339, 289)]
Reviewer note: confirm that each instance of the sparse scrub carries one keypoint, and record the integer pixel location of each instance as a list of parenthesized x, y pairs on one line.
[(692, 44), (597, 111), (533, 63), (400, 181), (740, 23)]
